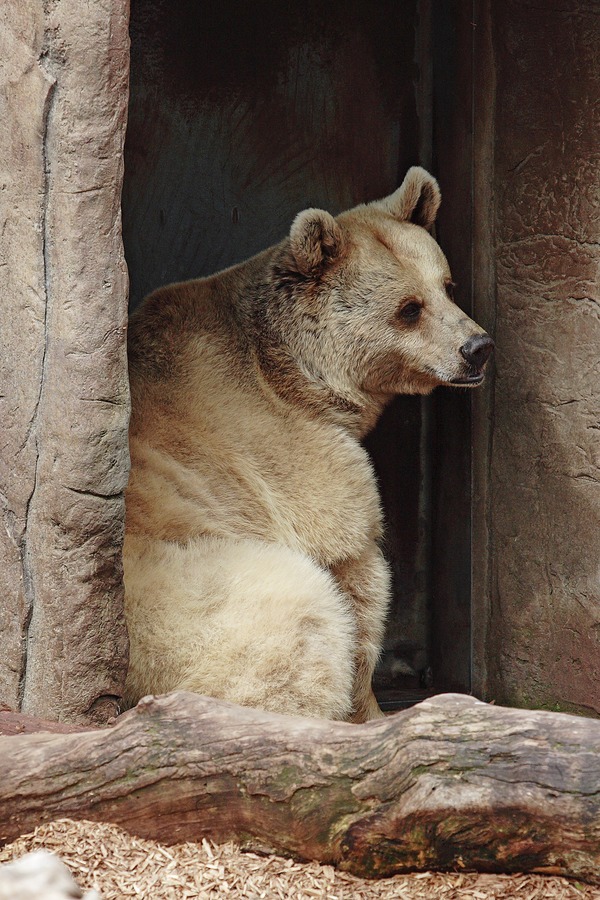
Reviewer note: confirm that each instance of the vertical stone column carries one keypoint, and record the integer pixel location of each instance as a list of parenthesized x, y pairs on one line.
[(63, 392), (542, 643)]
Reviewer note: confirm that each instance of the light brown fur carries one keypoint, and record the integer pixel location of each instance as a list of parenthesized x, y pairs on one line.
[(252, 562)]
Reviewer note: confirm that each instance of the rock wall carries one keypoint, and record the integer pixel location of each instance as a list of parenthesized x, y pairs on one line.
[(63, 388), (538, 543)]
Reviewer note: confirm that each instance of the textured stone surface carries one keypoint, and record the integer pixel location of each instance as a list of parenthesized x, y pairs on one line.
[(64, 394), (24, 93), (544, 504)]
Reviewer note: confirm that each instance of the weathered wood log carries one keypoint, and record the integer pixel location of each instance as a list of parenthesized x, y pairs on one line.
[(18, 723), (451, 783)]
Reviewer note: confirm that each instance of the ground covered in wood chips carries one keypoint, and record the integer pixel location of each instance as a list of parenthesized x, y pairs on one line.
[(120, 866)]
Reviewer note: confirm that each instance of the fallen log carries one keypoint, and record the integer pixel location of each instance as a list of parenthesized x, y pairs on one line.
[(12, 722), (451, 783)]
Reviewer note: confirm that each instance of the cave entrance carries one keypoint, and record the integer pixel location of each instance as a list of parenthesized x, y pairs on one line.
[(243, 114)]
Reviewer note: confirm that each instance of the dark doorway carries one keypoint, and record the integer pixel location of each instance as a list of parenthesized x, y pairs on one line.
[(243, 114)]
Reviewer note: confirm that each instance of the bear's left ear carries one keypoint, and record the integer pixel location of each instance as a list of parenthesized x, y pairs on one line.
[(417, 199), (315, 239)]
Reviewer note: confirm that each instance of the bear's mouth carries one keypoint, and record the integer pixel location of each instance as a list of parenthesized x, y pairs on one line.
[(471, 380)]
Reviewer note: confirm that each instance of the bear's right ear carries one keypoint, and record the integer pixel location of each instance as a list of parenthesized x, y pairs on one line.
[(417, 199), (315, 239)]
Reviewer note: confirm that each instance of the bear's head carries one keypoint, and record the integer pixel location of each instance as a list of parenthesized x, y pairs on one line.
[(373, 299)]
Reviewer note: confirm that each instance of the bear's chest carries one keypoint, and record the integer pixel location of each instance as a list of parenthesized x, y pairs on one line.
[(321, 491), (242, 470)]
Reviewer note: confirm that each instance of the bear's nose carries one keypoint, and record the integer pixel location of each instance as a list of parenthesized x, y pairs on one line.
[(477, 350)]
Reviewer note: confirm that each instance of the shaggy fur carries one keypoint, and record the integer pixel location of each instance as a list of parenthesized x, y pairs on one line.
[(252, 563)]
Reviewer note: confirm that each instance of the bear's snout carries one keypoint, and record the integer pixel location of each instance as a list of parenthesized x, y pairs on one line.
[(476, 351)]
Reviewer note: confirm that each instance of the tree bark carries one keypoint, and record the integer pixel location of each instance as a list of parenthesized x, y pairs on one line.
[(18, 723), (451, 783)]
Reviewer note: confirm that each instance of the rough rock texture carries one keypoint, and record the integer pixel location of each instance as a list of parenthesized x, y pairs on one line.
[(543, 638), (63, 388)]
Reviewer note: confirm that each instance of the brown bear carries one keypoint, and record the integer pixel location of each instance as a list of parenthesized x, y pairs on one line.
[(253, 570)]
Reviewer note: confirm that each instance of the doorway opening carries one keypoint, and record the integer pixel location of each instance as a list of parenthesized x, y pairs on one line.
[(240, 116)]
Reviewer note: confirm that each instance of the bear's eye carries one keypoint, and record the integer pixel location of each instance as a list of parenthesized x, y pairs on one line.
[(449, 285), (411, 311)]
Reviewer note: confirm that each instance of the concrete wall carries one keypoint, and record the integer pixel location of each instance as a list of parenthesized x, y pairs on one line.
[(537, 489)]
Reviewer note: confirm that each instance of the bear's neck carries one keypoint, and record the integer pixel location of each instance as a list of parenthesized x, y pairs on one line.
[(303, 390), (245, 304), (267, 316)]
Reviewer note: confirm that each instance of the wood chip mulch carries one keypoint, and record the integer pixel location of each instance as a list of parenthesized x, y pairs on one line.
[(119, 866)]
